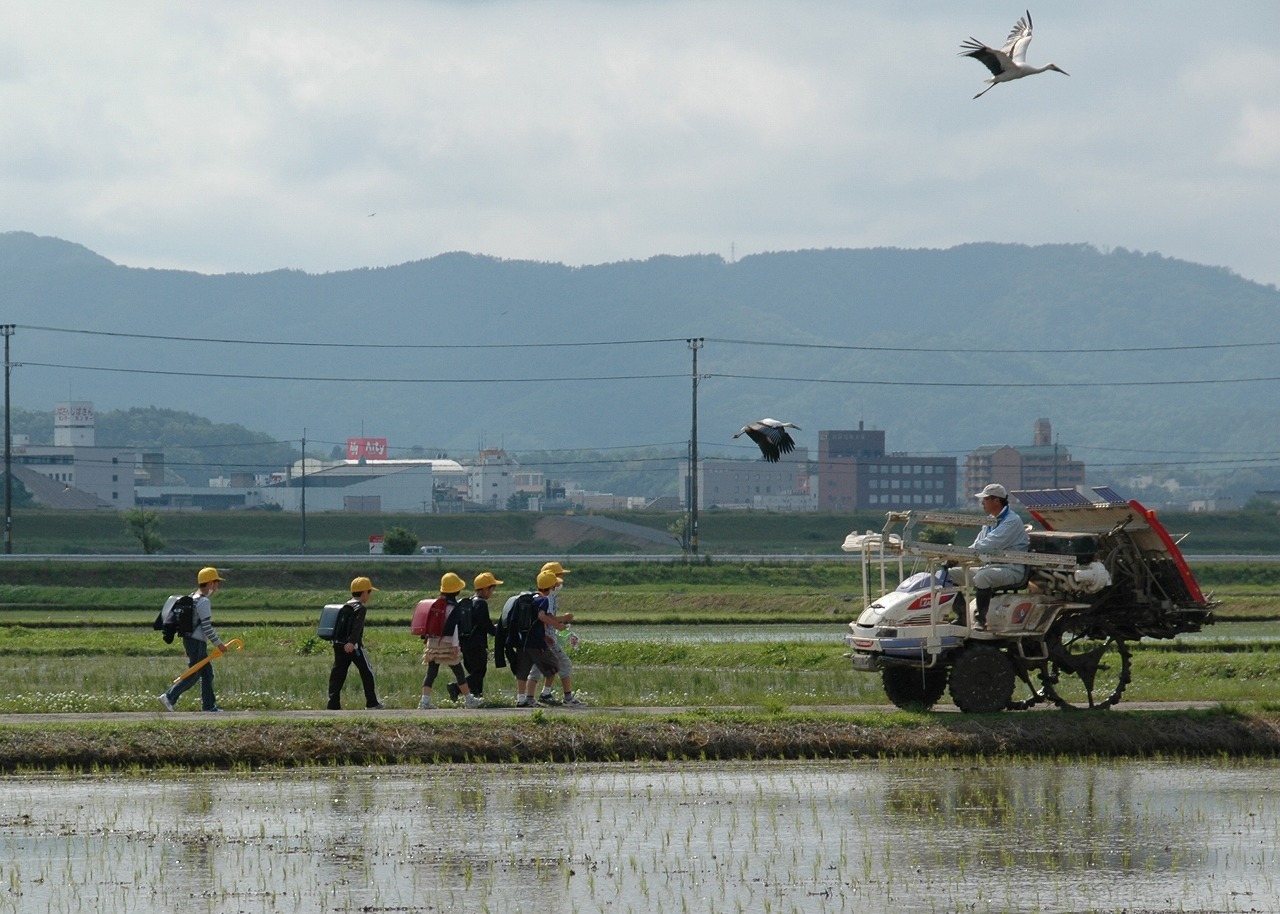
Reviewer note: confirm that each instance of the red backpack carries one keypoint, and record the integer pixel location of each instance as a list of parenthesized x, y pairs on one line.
[(428, 618)]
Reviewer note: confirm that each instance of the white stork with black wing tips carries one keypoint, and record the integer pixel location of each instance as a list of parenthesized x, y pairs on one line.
[(771, 435), (1010, 62)]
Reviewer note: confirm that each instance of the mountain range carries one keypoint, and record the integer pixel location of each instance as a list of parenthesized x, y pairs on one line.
[(1139, 360)]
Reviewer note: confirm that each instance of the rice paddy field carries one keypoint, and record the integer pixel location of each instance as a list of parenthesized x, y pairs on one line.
[(729, 761), (866, 836)]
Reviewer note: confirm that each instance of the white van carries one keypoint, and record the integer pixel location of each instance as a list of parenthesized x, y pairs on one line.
[(431, 550)]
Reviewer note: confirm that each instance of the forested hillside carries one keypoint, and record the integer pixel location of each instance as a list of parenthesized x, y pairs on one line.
[(1137, 359)]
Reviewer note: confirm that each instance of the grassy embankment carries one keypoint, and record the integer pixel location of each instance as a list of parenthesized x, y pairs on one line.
[(544, 736), (66, 649), (277, 533)]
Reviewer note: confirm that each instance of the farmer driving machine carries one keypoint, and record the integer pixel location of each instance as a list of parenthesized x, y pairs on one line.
[(1101, 573)]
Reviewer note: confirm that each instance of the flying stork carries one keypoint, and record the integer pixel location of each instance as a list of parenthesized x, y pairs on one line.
[(1010, 62), (771, 435)]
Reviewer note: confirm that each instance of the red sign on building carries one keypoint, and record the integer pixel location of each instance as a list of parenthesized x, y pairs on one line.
[(367, 448)]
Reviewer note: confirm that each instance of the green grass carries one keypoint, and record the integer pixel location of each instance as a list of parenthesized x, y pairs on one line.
[(283, 667), (339, 533), (80, 639)]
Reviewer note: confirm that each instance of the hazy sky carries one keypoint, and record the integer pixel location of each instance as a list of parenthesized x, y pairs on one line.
[(236, 136)]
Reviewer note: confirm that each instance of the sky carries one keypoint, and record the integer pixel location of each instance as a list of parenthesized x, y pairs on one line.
[(241, 137)]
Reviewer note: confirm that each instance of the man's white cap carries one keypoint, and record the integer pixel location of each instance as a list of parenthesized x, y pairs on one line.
[(995, 490)]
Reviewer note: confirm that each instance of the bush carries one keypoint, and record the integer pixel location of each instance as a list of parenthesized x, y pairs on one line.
[(399, 541), (145, 526)]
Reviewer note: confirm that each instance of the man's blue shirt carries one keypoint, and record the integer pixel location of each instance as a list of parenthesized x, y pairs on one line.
[(1007, 533)]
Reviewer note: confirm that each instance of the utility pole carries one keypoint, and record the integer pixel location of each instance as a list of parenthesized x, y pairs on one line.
[(304, 491), (695, 344), (7, 331)]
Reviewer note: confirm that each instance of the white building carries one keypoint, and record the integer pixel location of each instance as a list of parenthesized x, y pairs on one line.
[(106, 473), (370, 487), (724, 483), (491, 481)]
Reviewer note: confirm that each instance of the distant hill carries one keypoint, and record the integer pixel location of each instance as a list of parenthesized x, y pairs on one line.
[(990, 313)]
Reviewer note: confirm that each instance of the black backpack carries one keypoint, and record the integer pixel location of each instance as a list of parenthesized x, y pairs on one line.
[(176, 617), (520, 619), (335, 622), (466, 619)]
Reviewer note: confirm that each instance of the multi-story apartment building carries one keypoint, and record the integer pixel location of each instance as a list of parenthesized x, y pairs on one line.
[(855, 473), (1043, 464)]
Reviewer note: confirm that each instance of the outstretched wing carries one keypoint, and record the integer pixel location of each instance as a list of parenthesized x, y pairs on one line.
[(995, 61), (773, 441), (1015, 46)]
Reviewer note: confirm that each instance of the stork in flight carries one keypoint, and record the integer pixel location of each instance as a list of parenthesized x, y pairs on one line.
[(771, 435), (1010, 62)]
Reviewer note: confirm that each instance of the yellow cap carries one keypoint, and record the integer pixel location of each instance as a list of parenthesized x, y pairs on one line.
[(547, 580), (451, 583), (360, 585), (207, 575), (486, 579), (555, 568)]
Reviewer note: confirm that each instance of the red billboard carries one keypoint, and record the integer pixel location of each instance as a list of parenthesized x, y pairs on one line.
[(367, 448)]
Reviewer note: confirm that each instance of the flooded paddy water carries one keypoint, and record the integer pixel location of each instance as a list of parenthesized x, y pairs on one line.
[(866, 836)]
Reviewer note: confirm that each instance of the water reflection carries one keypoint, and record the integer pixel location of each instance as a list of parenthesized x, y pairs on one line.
[(864, 836)]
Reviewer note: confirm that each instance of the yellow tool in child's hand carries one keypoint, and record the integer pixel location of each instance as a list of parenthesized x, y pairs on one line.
[(217, 652)]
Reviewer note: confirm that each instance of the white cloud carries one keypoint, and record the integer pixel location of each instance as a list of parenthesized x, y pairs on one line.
[(242, 136)]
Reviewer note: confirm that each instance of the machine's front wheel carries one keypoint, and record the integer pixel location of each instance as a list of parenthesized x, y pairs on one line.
[(982, 679), (914, 689), (1087, 669)]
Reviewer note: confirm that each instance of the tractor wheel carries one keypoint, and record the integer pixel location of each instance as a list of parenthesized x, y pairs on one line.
[(982, 679), (1087, 669), (914, 689)]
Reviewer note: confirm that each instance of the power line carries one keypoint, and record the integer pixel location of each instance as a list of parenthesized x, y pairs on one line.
[(987, 384), (1242, 461), (652, 377), (846, 347), (527, 379), (1021, 349), (1135, 450), (346, 345)]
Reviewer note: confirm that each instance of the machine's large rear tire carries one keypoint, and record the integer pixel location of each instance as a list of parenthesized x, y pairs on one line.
[(1088, 669), (914, 689), (982, 679)]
